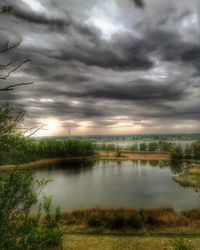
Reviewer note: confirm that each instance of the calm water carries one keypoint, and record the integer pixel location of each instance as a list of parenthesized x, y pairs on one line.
[(117, 184)]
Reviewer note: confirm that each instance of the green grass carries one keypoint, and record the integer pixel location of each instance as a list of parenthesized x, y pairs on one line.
[(190, 177), (124, 242)]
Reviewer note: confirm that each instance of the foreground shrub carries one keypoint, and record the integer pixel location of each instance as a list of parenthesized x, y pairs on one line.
[(18, 230)]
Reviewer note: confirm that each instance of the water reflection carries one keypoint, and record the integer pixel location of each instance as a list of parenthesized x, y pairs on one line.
[(117, 184)]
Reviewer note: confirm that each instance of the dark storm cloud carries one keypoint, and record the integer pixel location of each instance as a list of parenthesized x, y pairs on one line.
[(139, 3), (148, 71), (37, 18), (131, 56), (140, 90)]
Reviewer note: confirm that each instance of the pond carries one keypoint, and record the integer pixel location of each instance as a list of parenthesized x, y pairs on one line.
[(116, 184)]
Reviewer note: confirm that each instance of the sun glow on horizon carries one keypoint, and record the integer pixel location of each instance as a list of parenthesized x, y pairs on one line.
[(49, 127)]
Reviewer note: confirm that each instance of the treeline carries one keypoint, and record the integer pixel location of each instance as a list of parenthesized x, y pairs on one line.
[(160, 146), (26, 149), (145, 137), (191, 151)]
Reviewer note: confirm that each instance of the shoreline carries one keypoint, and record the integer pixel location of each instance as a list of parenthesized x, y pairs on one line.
[(102, 155)]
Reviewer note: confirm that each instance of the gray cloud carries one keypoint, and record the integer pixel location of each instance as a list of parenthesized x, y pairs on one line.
[(139, 3), (147, 70)]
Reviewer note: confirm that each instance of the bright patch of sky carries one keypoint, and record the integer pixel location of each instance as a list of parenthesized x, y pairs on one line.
[(190, 21), (35, 5), (105, 15)]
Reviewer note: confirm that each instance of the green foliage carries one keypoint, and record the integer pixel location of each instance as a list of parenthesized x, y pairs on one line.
[(188, 152), (165, 146), (18, 230), (196, 149), (10, 119), (153, 146), (143, 146), (41, 238), (133, 147), (30, 149), (176, 152), (58, 214)]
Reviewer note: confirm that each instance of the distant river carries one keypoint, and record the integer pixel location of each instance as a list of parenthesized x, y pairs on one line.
[(134, 184)]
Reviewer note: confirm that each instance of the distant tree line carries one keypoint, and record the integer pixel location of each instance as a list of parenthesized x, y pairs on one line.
[(191, 151), (30, 149)]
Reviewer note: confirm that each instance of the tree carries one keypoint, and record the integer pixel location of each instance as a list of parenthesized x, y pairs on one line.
[(18, 190), (188, 151), (18, 230), (143, 146), (176, 152), (153, 146), (196, 149), (6, 70), (10, 121)]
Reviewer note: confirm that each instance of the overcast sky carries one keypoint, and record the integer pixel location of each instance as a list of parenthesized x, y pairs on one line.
[(106, 66)]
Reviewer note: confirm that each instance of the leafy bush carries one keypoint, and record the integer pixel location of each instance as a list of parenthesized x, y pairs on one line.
[(18, 193)]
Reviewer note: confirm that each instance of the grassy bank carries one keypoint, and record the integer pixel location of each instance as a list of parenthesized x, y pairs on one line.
[(146, 229), (190, 177), (100, 155), (125, 220)]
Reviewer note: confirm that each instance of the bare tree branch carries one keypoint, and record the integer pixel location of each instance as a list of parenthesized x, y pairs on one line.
[(36, 130), (13, 70), (8, 47), (11, 87), (4, 66)]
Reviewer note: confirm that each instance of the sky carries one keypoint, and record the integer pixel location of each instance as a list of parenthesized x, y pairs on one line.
[(105, 66)]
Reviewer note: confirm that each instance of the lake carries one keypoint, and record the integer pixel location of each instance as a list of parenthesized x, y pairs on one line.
[(135, 184)]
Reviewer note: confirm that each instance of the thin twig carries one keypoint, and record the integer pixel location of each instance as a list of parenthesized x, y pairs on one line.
[(7, 47), (11, 87), (13, 70), (35, 131)]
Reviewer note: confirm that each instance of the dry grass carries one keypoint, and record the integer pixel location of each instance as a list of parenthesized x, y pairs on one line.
[(121, 243), (162, 219)]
